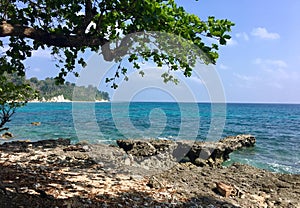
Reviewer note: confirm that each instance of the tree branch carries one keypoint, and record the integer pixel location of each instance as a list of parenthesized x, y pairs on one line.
[(5, 115), (121, 50), (60, 40), (88, 11), (51, 39)]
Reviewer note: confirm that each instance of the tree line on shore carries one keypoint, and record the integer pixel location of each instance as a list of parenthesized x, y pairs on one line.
[(16, 91), (48, 89)]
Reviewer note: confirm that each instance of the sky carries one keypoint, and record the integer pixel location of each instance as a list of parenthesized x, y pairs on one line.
[(260, 64)]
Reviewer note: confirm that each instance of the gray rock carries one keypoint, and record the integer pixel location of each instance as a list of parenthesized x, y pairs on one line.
[(154, 183), (200, 162), (198, 153)]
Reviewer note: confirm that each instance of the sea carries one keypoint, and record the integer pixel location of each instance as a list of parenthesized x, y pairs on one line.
[(275, 126)]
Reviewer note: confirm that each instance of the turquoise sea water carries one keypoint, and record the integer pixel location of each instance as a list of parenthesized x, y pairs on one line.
[(276, 126)]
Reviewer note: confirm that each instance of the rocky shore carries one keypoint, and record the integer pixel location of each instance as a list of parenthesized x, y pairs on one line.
[(138, 173), (62, 99)]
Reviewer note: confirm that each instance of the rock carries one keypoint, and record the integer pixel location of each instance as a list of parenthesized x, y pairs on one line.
[(76, 148), (199, 153), (239, 141), (66, 176), (181, 150), (126, 145), (215, 153), (136, 177), (227, 206), (225, 189), (205, 153), (83, 142), (36, 123), (127, 161), (51, 143), (7, 135), (22, 146), (154, 183), (144, 147), (59, 98), (200, 162)]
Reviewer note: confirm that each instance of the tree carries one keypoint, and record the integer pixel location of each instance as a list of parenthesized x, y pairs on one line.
[(14, 94), (47, 89), (71, 27)]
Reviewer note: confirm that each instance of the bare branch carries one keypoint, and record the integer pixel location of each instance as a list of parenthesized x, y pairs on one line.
[(5, 114)]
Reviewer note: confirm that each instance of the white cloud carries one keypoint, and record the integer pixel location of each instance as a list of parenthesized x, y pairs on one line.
[(269, 74), (267, 63), (222, 66), (277, 74), (231, 42), (196, 80), (245, 81), (242, 35), (246, 78), (262, 33)]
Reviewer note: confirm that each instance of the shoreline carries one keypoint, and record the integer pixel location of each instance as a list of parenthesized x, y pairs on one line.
[(228, 162), (60, 99), (70, 101), (54, 173)]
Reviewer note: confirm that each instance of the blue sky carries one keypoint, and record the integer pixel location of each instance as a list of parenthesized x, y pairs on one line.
[(260, 64)]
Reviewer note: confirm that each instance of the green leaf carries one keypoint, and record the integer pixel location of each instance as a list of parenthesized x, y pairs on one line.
[(226, 36), (142, 73), (222, 41)]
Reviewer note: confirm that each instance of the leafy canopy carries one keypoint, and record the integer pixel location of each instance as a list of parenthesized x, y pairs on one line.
[(70, 27)]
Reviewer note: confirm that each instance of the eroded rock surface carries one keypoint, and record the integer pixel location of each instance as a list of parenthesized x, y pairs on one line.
[(58, 174), (198, 153)]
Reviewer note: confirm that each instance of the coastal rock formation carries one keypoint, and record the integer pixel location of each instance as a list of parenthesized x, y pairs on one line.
[(145, 147), (55, 99), (55, 173), (199, 153), (59, 98), (22, 146), (7, 135)]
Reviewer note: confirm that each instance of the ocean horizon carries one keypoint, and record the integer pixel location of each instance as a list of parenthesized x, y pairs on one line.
[(275, 126)]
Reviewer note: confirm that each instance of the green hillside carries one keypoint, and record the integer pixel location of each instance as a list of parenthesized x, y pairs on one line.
[(48, 89)]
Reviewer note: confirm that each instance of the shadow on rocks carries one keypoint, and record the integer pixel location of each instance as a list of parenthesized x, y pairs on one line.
[(127, 199)]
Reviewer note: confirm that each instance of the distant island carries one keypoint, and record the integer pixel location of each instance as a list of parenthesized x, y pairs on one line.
[(49, 91)]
